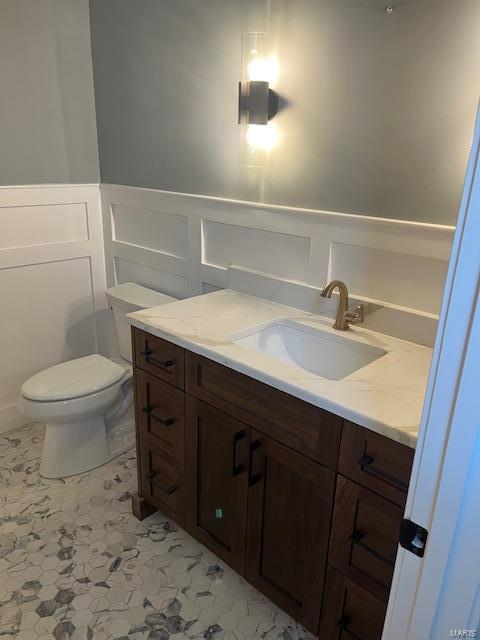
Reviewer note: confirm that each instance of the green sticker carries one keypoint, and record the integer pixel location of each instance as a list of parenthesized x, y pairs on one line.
[(219, 513)]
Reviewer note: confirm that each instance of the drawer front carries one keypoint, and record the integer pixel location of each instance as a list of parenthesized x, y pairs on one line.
[(350, 612), (159, 357), (364, 538), (160, 414), (163, 481), (297, 424), (376, 462)]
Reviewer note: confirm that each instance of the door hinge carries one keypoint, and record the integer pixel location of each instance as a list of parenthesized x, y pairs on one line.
[(413, 537)]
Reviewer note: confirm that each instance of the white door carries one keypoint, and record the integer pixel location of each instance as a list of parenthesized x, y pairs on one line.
[(438, 596)]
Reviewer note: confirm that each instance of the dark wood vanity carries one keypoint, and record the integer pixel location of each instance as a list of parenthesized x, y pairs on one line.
[(305, 505)]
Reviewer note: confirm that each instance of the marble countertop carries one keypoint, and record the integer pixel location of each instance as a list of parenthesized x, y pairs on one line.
[(385, 396)]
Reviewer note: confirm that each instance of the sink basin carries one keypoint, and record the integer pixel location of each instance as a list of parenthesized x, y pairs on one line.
[(314, 350)]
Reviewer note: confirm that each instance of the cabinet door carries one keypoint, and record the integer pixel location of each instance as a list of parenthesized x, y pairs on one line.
[(289, 508), (217, 460)]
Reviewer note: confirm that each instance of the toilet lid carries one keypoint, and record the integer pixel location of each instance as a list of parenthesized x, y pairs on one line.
[(73, 379)]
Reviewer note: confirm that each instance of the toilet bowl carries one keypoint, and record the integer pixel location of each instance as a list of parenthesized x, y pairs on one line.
[(86, 403)]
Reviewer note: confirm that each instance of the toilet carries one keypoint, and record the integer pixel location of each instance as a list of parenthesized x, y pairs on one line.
[(87, 403)]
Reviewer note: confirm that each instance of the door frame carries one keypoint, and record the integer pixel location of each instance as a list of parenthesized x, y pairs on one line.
[(439, 594)]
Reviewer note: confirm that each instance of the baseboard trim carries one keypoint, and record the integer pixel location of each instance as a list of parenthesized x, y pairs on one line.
[(11, 417)]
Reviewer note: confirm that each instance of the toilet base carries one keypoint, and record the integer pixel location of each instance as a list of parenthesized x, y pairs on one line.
[(74, 447)]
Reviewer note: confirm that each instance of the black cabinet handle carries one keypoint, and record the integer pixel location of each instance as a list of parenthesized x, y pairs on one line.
[(163, 364), (237, 469), (357, 537), (168, 490), (343, 625), (253, 479), (366, 462), (165, 421)]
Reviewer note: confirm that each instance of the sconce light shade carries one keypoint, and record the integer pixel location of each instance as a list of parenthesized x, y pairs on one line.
[(257, 102)]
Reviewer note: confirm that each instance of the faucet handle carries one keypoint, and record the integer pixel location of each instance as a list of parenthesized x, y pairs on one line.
[(357, 315)]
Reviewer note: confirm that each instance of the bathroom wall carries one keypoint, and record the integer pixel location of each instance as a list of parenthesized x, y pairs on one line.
[(47, 110), (52, 275), (379, 107), (52, 283)]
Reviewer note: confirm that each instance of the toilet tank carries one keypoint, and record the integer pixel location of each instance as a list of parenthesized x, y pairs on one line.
[(127, 298)]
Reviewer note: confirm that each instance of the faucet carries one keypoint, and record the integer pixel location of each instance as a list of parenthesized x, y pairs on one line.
[(344, 317)]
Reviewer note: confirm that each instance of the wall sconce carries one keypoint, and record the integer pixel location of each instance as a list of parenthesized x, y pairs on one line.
[(258, 103)]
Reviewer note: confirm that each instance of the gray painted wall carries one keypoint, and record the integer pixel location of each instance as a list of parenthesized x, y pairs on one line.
[(380, 111), (47, 108)]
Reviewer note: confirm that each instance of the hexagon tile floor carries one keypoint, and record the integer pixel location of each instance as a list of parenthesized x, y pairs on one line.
[(74, 562)]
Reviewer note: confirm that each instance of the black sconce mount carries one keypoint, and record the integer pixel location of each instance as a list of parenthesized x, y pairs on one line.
[(257, 103)]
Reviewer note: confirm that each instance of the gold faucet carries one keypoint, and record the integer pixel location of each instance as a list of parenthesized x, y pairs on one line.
[(344, 317)]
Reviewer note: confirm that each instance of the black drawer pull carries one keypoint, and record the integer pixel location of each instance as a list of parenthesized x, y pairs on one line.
[(168, 490), (253, 479), (163, 364), (165, 421), (366, 463), (343, 624), (357, 537), (237, 469)]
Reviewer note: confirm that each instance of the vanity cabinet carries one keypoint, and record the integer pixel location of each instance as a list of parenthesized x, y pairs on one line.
[(305, 505)]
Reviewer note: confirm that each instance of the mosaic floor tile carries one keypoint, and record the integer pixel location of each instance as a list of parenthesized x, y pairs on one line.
[(76, 565)]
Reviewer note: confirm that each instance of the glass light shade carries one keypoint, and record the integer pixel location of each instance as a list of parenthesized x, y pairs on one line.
[(262, 137), (255, 62), (256, 65), (257, 141)]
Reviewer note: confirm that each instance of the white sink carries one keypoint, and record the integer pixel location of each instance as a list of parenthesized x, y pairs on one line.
[(317, 351)]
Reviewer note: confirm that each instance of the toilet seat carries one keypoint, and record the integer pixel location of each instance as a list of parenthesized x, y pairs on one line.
[(73, 379)]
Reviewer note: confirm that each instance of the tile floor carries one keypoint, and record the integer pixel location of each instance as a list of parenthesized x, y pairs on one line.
[(74, 562)]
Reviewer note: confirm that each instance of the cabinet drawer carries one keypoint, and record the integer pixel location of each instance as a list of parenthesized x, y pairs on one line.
[(160, 414), (163, 481), (376, 462), (297, 424), (350, 612), (364, 538), (159, 357)]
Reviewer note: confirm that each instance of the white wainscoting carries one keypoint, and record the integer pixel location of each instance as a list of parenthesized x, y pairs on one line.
[(55, 263), (183, 245), (52, 283)]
